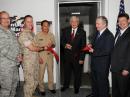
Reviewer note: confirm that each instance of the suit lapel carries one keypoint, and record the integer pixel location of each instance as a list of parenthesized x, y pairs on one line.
[(102, 36), (122, 36), (104, 33)]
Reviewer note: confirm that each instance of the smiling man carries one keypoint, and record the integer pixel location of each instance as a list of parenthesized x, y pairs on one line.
[(73, 41), (9, 57), (120, 62), (46, 39), (102, 46)]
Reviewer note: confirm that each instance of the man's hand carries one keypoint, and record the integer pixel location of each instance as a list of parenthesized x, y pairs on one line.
[(125, 72), (91, 49), (81, 62), (89, 45), (20, 58), (68, 46), (46, 47)]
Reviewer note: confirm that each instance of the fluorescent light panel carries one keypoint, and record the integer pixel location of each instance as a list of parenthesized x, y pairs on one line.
[(75, 13)]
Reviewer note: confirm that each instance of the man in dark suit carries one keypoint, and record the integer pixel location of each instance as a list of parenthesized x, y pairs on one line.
[(73, 41), (101, 48), (120, 62)]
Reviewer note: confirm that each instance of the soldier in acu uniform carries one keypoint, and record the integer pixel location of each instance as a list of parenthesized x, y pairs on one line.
[(45, 39), (30, 57), (9, 58)]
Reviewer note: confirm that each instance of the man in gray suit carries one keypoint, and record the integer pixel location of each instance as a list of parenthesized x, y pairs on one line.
[(9, 57)]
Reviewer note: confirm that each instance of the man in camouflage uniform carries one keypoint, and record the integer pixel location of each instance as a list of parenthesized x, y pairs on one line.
[(9, 50), (45, 39), (30, 57)]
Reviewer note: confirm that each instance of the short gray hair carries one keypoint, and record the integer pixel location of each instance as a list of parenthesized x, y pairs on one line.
[(74, 17), (104, 19)]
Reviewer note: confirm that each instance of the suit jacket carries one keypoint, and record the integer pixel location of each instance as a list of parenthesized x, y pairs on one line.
[(78, 43), (100, 59), (121, 53)]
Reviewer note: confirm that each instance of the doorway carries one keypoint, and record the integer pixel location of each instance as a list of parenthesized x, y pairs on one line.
[(87, 13)]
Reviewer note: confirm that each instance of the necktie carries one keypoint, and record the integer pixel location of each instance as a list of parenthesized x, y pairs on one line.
[(118, 37), (98, 35), (72, 34)]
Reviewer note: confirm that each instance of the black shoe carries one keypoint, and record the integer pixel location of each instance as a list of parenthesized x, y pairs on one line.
[(53, 91), (40, 92), (76, 91), (90, 95), (43, 93), (64, 89)]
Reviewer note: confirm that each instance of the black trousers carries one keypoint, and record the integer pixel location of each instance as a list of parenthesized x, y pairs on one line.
[(120, 85), (100, 83), (72, 65)]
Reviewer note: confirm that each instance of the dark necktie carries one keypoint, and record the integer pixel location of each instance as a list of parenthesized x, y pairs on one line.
[(118, 37), (98, 35), (72, 34)]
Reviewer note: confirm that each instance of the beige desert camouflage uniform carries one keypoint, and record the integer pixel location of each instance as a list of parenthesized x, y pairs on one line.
[(42, 40), (30, 63), (9, 50)]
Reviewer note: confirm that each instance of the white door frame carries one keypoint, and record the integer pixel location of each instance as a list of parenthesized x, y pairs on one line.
[(57, 27)]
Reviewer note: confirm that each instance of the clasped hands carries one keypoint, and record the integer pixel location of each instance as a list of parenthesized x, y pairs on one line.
[(125, 72), (68, 46)]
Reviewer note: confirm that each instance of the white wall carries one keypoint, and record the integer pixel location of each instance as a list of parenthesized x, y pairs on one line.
[(39, 9), (45, 9), (113, 9)]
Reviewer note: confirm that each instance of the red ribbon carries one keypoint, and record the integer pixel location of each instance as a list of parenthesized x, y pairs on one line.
[(54, 53), (86, 48)]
